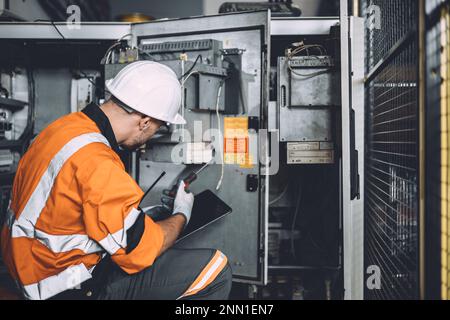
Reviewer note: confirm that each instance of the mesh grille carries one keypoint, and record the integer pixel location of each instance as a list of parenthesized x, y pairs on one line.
[(391, 183), (388, 22)]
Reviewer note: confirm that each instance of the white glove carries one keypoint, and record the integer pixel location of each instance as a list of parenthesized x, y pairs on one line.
[(183, 202)]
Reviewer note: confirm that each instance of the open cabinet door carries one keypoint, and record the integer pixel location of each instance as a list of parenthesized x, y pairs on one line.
[(242, 235)]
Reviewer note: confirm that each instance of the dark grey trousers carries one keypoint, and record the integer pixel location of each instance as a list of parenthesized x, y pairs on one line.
[(167, 279)]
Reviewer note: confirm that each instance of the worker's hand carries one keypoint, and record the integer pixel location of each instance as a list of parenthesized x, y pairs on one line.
[(168, 197), (183, 202)]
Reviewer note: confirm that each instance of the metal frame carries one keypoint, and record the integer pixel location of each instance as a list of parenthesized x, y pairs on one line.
[(398, 47), (345, 164), (116, 30), (357, 205), (46, 30)]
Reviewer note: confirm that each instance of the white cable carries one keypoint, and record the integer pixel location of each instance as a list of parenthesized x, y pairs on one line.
[(280, 196), (123, 37), (109, 56), (187, 77), (219, 183), (306, 47), (106, 56)]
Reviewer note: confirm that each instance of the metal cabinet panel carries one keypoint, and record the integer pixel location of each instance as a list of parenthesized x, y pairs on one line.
[(241, 235)]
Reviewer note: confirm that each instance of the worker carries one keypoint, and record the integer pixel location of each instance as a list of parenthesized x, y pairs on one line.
[(74, 229)]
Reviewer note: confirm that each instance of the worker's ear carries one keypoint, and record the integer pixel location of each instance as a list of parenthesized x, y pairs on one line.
[(144, 123)]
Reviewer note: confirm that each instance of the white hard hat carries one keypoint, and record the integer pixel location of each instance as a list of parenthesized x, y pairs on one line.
[(150, 88)]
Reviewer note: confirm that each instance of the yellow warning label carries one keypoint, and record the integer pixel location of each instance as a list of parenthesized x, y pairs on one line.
[(236, 141)]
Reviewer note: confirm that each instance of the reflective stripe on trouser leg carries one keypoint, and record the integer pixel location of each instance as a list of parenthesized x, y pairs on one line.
[(208, 274)]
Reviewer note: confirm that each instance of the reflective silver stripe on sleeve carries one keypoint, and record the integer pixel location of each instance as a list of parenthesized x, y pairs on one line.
[(65, 243), (113, 242), (109, 244), (24, 225), (51, 286)]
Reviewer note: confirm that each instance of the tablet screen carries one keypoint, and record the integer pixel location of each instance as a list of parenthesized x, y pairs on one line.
[(207, 208)]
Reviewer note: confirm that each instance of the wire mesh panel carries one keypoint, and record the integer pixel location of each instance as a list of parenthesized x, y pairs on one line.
[(389, 21), (438, 153), (392, 161)]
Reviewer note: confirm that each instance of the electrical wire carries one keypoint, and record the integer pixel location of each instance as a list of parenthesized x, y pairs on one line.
[(192, 67), (64, 38), (85, 76), (106, 56), (219, 183), (300, 48), (310, 75), (188, 76), (280, 196), (57, 30)]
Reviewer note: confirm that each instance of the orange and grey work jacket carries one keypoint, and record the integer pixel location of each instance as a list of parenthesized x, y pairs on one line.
[(73, 202)]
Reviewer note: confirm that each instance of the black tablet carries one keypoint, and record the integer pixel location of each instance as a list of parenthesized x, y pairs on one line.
[(207, 208)]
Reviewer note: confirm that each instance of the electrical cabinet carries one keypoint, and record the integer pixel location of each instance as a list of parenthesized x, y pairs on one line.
[(227, 56), (279, 141)]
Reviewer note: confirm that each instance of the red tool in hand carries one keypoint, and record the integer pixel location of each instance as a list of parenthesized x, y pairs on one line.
[(188, 180)]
